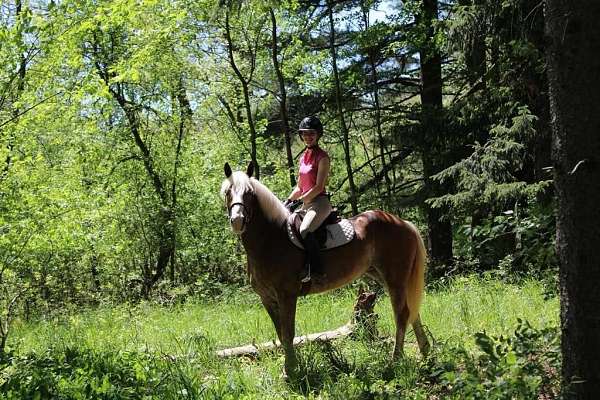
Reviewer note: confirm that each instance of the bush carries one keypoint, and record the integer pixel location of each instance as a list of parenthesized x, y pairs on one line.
[(523, 366), (80, 373)]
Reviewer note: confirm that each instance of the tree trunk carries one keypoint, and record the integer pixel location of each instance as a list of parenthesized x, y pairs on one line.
[(166, 234), (539, 103), (475, 52), (377, 111), (340, 110), (245, 82), (94, 271), (185, 121), (574, 77), (282, 101), (18, 93), (439, 229)]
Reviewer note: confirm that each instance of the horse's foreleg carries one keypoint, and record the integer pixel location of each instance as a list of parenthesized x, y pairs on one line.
[(287, 321), (273, 310), (424, 345)]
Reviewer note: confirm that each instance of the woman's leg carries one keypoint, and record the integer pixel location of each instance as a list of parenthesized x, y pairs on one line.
[(316, 212)]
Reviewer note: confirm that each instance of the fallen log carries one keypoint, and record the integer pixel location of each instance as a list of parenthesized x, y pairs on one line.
[(363, 318), (252, 350)]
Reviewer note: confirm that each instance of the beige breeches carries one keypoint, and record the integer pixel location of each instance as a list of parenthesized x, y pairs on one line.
[(314, 213)]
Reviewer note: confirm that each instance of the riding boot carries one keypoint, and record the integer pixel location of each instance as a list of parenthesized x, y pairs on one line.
[(313, 261)]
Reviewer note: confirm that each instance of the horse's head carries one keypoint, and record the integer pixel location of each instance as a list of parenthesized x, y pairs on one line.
[(238, 194)]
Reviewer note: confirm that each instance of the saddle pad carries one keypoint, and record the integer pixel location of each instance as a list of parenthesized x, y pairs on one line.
[(338, 234)]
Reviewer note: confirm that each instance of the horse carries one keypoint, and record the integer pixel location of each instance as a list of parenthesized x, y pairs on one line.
[(385, 247)]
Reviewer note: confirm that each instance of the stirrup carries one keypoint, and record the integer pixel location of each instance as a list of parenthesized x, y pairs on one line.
[(307, 277)]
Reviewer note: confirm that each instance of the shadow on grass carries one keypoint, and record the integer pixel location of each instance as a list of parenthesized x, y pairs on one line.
[(353, 370)]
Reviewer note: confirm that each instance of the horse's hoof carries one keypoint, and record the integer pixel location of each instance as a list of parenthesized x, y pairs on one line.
[(290, 373)]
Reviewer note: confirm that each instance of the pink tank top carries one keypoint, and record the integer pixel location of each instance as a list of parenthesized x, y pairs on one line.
[(309, 167)]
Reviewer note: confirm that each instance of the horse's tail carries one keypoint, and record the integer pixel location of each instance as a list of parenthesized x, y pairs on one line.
[(416, 280)]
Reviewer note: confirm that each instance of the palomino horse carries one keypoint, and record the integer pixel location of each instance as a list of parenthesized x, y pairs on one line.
[(385, 247)]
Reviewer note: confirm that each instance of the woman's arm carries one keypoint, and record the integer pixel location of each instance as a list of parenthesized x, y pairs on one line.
[(322, 176), (295, 195)]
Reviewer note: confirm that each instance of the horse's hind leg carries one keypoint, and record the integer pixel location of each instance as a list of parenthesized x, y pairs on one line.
[(424, 345), (401, 314)]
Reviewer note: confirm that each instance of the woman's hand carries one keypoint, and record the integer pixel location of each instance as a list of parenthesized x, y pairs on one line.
[(291, 205)]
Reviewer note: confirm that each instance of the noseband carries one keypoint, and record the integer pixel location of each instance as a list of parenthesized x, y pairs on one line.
[(246, 213)]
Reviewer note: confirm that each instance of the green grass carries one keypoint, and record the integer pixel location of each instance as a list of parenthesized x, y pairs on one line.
[(175, 345)]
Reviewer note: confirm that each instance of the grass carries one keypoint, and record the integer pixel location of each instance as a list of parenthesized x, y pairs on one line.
[(168, 352)]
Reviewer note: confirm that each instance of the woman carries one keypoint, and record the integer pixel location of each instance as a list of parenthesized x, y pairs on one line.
[(312, 178)]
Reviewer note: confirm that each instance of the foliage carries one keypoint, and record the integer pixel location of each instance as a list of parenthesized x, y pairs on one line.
[(161, 351), (512, 244), (487, 175), (72, 373), (523, 365), (117, 116)]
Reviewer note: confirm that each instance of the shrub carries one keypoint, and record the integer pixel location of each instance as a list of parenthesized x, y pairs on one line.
[(79, 373), (523, 366)]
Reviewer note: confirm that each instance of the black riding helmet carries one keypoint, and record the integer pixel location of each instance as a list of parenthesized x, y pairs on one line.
[(311, 123)]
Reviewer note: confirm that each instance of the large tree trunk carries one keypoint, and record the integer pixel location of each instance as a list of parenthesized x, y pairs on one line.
[(166, 233), (574, 77), (475, 52), (439, 229)]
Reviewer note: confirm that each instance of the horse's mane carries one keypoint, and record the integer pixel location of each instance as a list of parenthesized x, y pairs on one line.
[(270, 205)]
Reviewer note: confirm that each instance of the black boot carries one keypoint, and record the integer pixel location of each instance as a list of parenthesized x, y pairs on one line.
[(313, 261)]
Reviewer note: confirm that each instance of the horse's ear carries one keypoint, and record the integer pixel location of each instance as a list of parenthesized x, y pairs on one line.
[(250, 169), (227, 170)]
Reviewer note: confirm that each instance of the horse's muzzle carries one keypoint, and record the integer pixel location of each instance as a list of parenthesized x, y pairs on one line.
[(237, 218), (238, 225)]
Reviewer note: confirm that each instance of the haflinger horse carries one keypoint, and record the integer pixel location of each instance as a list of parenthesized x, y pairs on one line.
[(385, 247)]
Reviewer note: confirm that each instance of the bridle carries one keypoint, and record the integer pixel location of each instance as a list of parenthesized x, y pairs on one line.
[(246, 212)]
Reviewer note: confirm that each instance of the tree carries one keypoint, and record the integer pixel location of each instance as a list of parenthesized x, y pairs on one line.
[(574, 76), (340, 111), (496, 133), (372, 55), (143, 73), (439, 226), (12, 78), (249, 49), (283, 111)]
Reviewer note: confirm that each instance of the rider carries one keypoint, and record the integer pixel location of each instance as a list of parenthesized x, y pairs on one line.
[(312, 177)]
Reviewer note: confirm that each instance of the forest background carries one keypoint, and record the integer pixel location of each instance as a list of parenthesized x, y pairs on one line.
[(116, 118)]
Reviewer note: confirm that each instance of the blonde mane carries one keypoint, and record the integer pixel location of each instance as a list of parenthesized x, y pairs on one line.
[(271, 206)]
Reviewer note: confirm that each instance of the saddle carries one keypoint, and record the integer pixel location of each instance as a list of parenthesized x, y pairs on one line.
[(333, 232)]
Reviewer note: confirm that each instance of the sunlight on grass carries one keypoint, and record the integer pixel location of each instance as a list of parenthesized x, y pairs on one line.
[(454, 313), (176, 345), (470, 305)]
